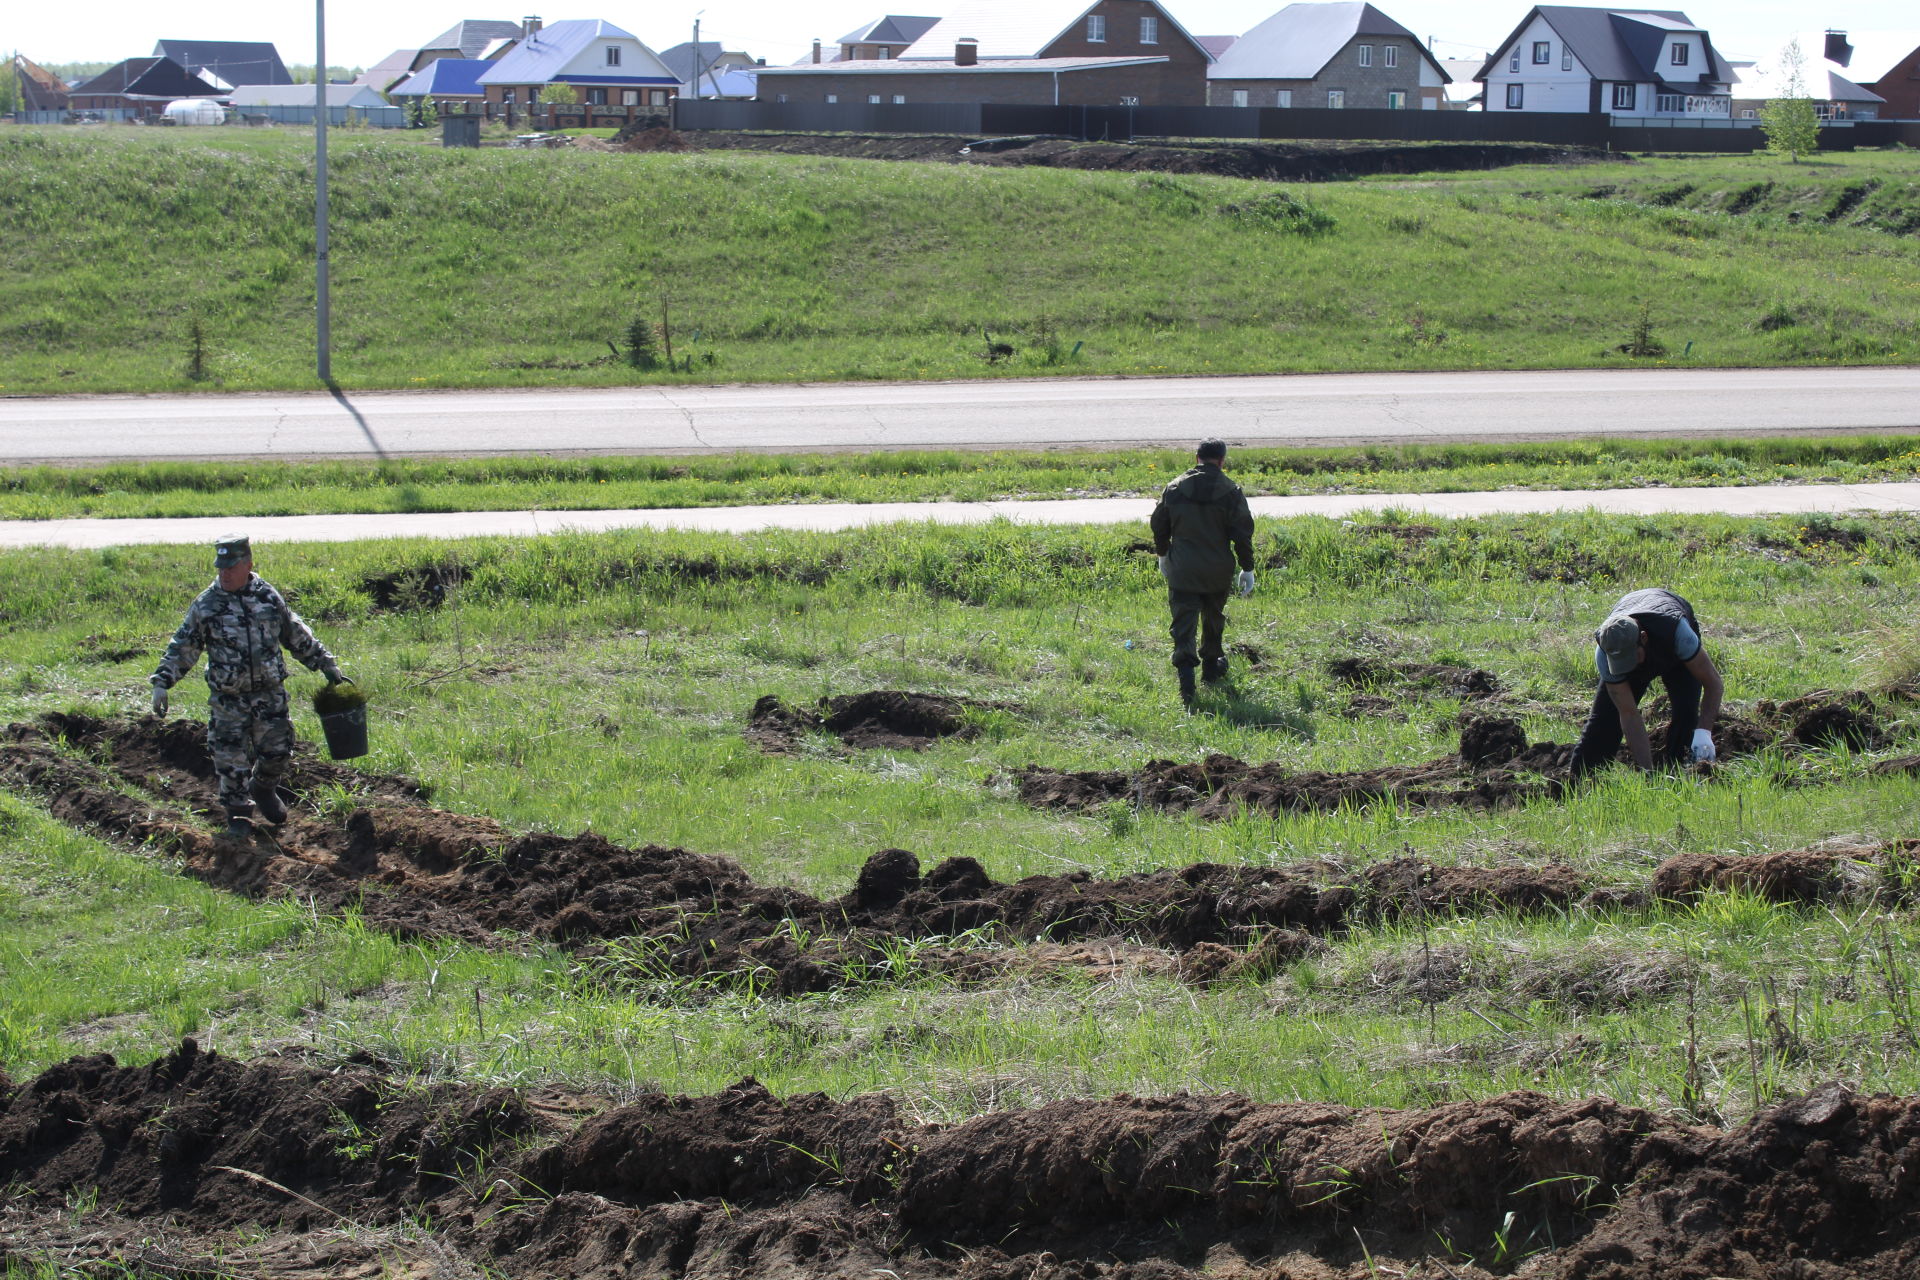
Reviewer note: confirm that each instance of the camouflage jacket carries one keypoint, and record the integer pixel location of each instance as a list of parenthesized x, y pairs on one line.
[(1202, 526), (242, 633)]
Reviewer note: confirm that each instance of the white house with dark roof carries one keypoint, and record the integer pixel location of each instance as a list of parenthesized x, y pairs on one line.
[(1328, 55), (605, 65), (1624, 63)]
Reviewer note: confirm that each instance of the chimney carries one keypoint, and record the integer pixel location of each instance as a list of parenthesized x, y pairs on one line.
[(816, 51), (966, 52), (1838, 50), (529, 25)]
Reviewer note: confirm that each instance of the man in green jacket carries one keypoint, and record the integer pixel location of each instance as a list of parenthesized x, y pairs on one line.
[(1200, 528)]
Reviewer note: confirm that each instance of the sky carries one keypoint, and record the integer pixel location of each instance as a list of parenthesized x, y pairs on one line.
[(361, 32)]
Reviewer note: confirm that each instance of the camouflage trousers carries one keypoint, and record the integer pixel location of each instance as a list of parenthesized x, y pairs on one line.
[(249, 736)]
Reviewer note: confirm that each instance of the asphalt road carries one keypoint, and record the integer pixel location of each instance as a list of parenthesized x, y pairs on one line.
[(1297, 410)]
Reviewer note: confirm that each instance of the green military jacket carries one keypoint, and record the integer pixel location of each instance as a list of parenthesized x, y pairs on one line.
[(1202, 525), (242, 633)]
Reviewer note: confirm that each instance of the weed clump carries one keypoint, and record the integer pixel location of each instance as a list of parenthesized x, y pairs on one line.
[(1281, 211)]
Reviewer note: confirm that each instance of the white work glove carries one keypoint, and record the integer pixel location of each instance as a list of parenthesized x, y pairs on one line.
[(159, 699), (1245, 585), (1703, 745)]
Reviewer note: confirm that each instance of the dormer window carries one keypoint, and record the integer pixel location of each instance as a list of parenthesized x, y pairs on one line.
[(613, 55), (1679, 55)]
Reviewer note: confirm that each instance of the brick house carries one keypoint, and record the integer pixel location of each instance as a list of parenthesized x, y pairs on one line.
[(605, 66), (143, 86), (40, 89), (1328, 55), (1041, 52), (1887, 62), (1617, 62)]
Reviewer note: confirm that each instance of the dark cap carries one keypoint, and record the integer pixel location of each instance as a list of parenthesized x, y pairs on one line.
[(231, 551), (1619, 641), (1211, 450)]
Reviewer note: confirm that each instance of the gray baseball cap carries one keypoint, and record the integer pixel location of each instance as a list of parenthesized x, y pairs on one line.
[(1619, 641), (231, 551)]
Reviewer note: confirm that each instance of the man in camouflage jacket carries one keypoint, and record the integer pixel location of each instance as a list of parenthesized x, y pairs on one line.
[(242, 622), (1201, 528)]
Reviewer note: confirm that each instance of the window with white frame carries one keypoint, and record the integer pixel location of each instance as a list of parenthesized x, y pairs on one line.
[(833, 97), (1679, 54), (1389, 55), (1149, 30), (1516, 97), (596, 97), (1364, 54), (613, 55), (779, 97), (1239, 97), (1624, 96), (1542, 52), (1283, 98), (629, 97), (1513, 61), (873, 99), (1336, 99), (1096, 29), (1396, 99), (1749, 113), (899, 99), (1669, 102), (1129, 100), (1566, 58)]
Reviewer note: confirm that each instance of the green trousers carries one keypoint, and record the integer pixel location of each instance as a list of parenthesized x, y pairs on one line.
[(1204, 612)]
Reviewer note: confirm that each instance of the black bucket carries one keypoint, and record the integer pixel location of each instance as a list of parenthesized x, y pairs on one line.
[(346, 733)]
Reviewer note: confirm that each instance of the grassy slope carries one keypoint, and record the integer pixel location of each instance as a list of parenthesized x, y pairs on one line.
[(454, 267), (558, 484), (602, 681)]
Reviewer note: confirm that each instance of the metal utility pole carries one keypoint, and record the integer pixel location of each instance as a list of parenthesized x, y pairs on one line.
[(696, 56), (323, 325)]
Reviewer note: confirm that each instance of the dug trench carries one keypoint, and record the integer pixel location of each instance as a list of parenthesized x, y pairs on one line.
[(1494, 767), (333, 1168), (372, 844)]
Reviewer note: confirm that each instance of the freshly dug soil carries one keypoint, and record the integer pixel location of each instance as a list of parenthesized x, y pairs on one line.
[(883, 720), (1283, 161), (1494, 767), (1121, 1188)]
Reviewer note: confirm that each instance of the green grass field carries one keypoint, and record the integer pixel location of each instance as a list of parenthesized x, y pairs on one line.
[(560, 484), (603, 682), (508, 268)]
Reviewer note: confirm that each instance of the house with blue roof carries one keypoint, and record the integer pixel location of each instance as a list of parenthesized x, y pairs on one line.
[(445, 79), (605, 65)]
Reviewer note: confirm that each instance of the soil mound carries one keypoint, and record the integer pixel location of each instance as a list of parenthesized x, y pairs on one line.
[(1280, 161), (1445, 678), (742, 1182), (883, 720), (1859, 872)]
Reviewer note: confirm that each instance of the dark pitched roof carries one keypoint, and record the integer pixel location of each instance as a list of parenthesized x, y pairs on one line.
[(235, 61), (679, 59), (895, 29), (147, 78), (471, 36), (1616, 44)]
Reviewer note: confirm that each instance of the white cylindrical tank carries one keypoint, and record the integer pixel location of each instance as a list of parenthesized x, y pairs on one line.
[(196, 111)]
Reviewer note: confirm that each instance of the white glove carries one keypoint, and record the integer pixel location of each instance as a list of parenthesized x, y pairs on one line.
[(159, 699), (1161, 561), (1245, 584), (1703, 745)]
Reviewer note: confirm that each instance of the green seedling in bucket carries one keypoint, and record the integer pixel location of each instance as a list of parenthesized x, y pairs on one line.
[(342, 709)]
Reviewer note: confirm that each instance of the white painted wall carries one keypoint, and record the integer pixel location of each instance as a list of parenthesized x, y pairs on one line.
[(1547, 86)]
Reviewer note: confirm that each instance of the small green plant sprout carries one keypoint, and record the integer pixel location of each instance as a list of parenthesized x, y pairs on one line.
[(196, 350), (333, 801), (1642, 343), (829, 1160), (642, 342)]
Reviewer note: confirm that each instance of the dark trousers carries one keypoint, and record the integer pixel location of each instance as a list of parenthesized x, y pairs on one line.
[(1601, 737), (1202, 611)]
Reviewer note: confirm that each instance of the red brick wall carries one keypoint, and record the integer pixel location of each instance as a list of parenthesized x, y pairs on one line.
[(1179, 82), (1901, 88)]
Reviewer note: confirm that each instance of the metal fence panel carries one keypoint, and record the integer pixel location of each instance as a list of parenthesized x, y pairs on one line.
[(375, 117), (830, 117)]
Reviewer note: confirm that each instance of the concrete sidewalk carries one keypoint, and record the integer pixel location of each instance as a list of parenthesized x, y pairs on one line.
[(1751, 500)]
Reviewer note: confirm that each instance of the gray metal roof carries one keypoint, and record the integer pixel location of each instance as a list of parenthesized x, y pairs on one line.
[(234, 61), (1015, 28), (1616, 44), (1298, 42), (471, 36), (546, 53), (896, 28), (679, 59)]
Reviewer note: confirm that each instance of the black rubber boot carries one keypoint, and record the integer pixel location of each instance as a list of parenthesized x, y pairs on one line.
[(267, 797), (240, 821), (1214, 671), (1186, 685)]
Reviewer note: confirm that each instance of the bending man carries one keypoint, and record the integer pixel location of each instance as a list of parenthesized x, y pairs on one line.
[(242, 623), (1200, 526), (1650, 634)]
